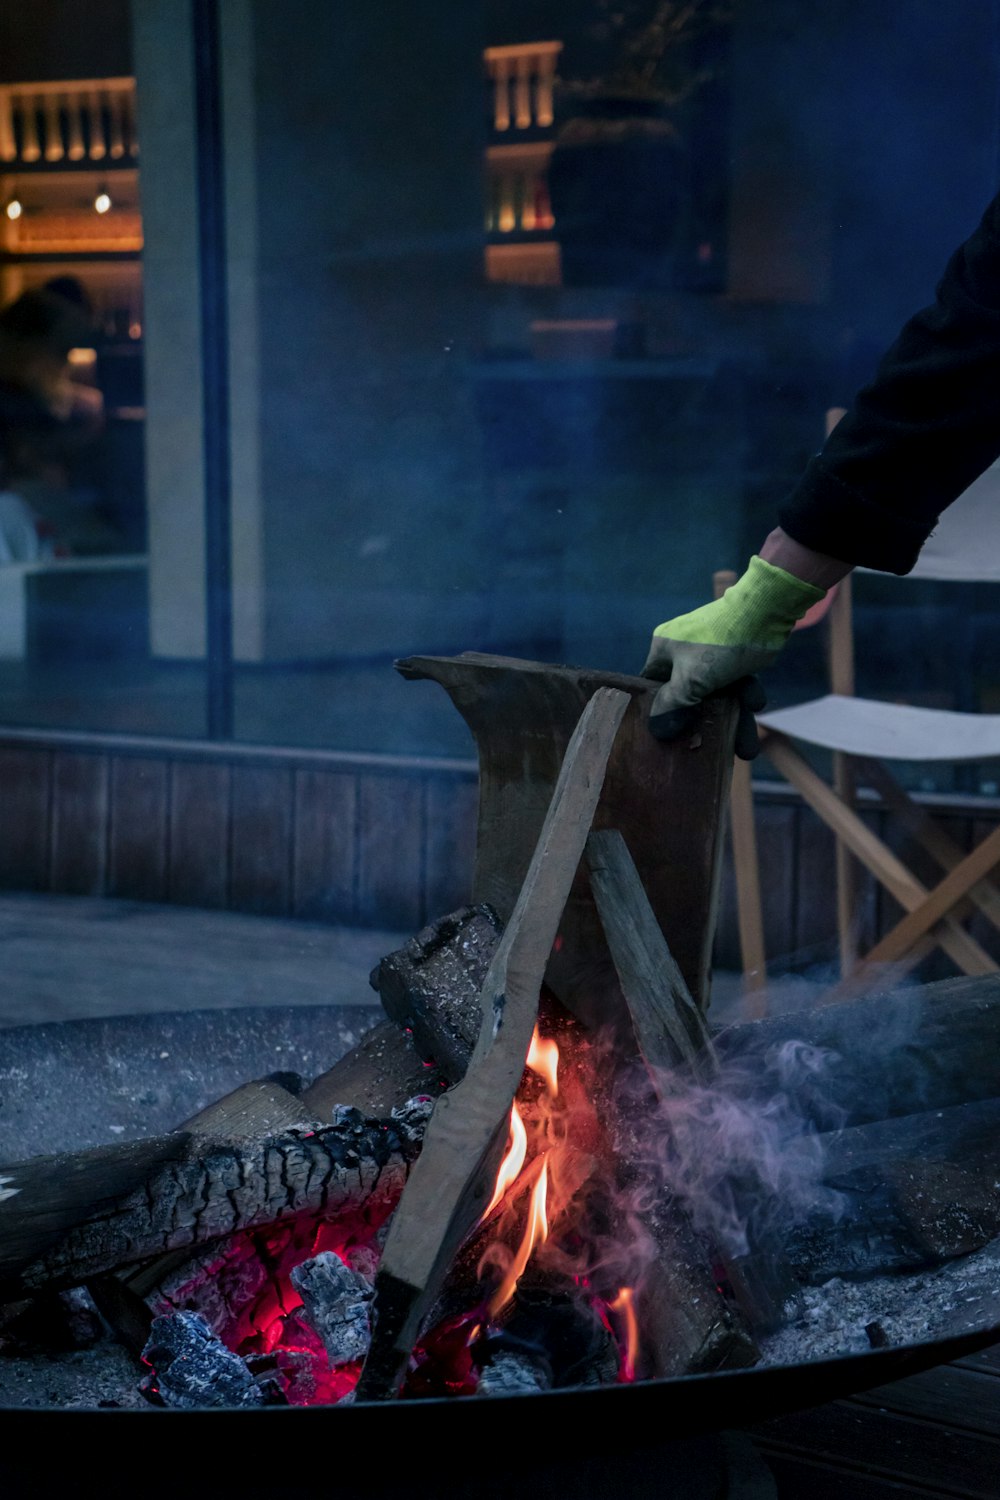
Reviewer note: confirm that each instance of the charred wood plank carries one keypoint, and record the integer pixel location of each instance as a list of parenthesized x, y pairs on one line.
[(663, 797), (454, 1174)]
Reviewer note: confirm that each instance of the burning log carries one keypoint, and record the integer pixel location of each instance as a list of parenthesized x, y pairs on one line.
[(672, 1034), (457, 1166), (337, 1305)]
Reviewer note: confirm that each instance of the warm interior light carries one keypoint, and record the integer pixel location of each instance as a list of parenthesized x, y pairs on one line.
[(82, 356), (14, 208), (102, 202)]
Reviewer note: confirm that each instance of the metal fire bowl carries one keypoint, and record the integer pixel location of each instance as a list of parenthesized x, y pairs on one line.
[(659, 1438)]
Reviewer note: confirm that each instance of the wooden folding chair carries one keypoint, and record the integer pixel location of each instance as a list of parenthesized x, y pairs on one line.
[(862, 734)]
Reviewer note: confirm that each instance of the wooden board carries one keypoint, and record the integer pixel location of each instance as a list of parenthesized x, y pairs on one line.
[(666, 800)]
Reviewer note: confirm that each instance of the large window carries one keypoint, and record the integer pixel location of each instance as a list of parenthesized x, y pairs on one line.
[(416, 329)]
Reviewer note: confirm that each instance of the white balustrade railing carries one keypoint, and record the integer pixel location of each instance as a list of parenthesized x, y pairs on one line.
[(92, 119), (523, 84)]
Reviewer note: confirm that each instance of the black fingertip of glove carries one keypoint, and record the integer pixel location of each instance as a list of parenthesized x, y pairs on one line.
[(675, 722), (752, 699)]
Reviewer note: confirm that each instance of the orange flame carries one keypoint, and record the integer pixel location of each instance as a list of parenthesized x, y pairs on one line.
[(543, 1059), (536, 1233), (624, 1304), (512, 1163)]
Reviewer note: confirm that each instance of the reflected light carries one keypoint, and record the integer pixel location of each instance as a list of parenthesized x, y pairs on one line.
[(102, 202), (14, 208)]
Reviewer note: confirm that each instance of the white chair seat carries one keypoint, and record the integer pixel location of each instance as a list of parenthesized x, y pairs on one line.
[(888, 731)]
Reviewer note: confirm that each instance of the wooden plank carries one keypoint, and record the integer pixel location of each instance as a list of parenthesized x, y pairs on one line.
[(776, 852), (454, 1174), (799, 1477), (889, 1446), (260, 853), (25, 785), (669, 1028), (139, 829), (391, 824), (957, 1397), (79, 823), (325, 860), (987, 1360), (663, 797), (450, 853), (198, 872)]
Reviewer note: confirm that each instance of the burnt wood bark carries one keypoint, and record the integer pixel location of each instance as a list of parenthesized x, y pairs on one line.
[(354, 1165), (664, 798), (457, 1165)]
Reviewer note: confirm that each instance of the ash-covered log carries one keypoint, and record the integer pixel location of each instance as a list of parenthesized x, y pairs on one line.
[(431, 986), (913, 1049)]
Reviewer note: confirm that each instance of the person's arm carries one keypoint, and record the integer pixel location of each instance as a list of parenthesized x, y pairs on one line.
[(913, 440), (918, 434)]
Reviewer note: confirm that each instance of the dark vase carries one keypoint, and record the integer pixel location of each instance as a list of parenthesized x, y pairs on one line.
[(615, 183)]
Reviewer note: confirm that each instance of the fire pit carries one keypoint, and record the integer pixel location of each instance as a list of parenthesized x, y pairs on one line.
[(656, 1235)]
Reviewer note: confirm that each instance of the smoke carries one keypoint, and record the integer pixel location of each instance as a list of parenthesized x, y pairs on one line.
[(740, 1155)]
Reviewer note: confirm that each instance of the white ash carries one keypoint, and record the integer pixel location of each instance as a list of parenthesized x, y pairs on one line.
[(513, 1374), (947, 1301), (337, 1304)]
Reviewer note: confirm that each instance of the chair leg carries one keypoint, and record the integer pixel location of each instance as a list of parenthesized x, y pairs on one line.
[(746, 868), (911, 894), (847, 883)]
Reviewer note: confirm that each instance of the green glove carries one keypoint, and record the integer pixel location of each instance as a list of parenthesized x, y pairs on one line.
[(723, 644)]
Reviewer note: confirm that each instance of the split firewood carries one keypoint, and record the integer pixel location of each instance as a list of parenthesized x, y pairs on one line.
[(671, 1033), (455, 1172)]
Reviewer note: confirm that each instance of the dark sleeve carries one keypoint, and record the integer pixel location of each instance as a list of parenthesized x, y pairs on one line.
[(920, 432)]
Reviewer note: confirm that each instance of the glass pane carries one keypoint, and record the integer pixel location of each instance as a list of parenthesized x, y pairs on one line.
[(532, 315)]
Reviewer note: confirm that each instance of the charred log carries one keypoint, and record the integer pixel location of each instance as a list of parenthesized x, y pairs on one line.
[(191, 1368), (431, 986), (352, 1166)]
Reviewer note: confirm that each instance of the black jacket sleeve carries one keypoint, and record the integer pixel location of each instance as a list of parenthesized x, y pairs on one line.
[(920, 432)]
